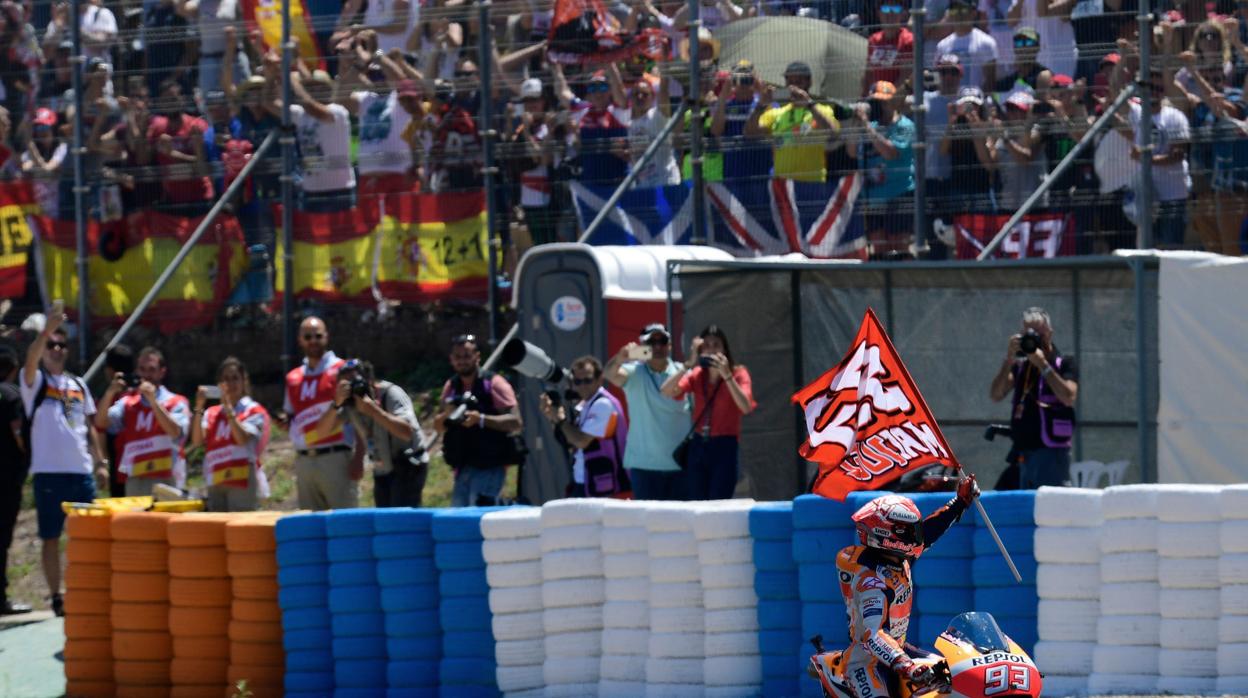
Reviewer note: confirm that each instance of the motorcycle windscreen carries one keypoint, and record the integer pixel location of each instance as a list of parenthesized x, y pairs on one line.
[(979, 630), (996, 668)]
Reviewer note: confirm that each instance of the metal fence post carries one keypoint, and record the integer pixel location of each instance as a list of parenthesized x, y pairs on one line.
[(694, 98), (288, 197), (485, 65), (918, 13), (1143, 81), (80, 208)]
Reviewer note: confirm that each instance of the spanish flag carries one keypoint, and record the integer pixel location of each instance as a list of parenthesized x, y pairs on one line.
[(267, 16), (17, 204), (125, 260), (416, 248)]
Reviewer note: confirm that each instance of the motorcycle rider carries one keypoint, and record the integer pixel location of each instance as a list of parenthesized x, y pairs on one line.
[(875, 581)]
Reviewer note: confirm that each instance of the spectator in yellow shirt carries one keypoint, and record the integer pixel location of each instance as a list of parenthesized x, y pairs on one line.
[(800, 129)]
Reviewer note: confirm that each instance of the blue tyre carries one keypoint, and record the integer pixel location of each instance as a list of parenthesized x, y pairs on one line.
[(820, 545), (463, 583), (771, 521), (309, 680), (1019, 540), (781, 642), (299, 527), (318, 639), (411, 597), (942, 572), (413, 624), (360, 673), (992, 571), (467, 614), (812, 511), (451, 557), (361, 599), (302, 597), (406, 572), (309, 660), (819, 582), (368, 647), (412, 673), (350, 549), (958, 541), (774, 556), (305, 619), (776, 586), (1014, 508), (403, 520), (780, 615), (417, 647), (301, 552), (388, 546), (467, 672), (458, 525), (347, 574), (303, 575), (947, 602), (358, 624), (478, 644), (350, 523)]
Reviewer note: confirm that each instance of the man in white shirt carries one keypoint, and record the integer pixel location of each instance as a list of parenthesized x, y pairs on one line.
[(64, 454), (976, 50), (324, 133), (385, 159), (98, 29), (1171, 181), (596, 430)]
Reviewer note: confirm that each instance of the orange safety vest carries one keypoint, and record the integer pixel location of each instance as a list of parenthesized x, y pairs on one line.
[(226, 463), (146, 450), (310, 397)]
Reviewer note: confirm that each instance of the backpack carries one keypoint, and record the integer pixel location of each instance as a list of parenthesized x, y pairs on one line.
[(29, 419)]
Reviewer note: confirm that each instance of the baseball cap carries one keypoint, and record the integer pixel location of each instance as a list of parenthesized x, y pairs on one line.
[(1020, 100), (531, 89), (255, 82), (654, 328), (45, 117), (974, 95), (743, 67), (1027, 33), (215, 97), (949, 61), (1062, 80), (1111, 58), (798, 68), (408, 88), (883, 89)]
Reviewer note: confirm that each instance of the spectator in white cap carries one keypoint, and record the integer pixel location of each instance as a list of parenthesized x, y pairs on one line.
[(969, 149), (1020, 153), (542, 139), (975, 49), (941, 112)]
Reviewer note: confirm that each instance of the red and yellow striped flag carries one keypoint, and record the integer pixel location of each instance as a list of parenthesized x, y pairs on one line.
[(17, 204)]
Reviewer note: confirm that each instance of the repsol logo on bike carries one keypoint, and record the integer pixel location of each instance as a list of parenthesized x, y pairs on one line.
[(999, 657), (864, 683)]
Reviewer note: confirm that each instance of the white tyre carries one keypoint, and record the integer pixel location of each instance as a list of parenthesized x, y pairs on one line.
[(1073, 582), (1199, 573), (571, 538), (676, 645), (1122, 684), (570, 670), (622, 667), (624, 540), (739, 597), (727, 551), (727, 576), (1188, 503), (517, 626), (1194, 634), (1129, 536), (518, 678), (1233, 536), (673, 570), (671, 519), (677, 620), (503, 551), (570, 620), (507, 575), (1233, 568), (625, 565), (1110, 659), (1191, 603), (517, 600), (675, 595), (520, 652), (582, 644), (1129, 502), (673, 544), (731, 644), (623, 513), (512, 523), (674, 690), (571, 564), (732, 671), (568, 593), (1232, 659), (1189, 663), (626, 614), (632, 589), (659, 670), (1063, 658), (539, 692), (732, 620), (1067, 621), (625, 642), (1186, 540), (1187, 685), (1233, 685), (729, 521), (1130, 599), (1057, 686), (1233, 629), (1233, 601), (571, 690), (1129, 630), (622, 689), (1233, 504), (1067, 546), (571, 512), (1129, 567), (1068, 506)]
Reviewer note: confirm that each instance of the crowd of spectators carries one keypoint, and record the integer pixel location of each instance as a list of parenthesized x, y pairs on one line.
[(179, 93)]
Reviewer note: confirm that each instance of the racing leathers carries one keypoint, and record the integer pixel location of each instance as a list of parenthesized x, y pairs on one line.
[(878, 596)]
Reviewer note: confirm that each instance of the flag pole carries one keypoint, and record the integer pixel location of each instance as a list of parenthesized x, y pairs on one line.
[(993, 530)]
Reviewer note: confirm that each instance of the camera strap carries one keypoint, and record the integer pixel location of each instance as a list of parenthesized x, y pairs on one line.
[(705, 411)]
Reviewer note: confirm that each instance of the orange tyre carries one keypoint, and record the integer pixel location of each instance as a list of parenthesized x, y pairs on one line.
[(199, 671), (81, 576), (140, 587), (140, 556), (258, 653), (253, 565), (143, 691), (198, 563), (91, 689), (89, 670), (251, 534), (93, 552), (256, 588), (144, 525), (189, 691), (255, 611), (87, 649), (198, 530), (198, 622), (202, 647), (85, 627), (89, 528), (242, 631), (137, 646), (200, 593), (148, 617), (95, 601), (141, 673)]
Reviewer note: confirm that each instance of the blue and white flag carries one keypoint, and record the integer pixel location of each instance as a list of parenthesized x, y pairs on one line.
[(745, 218)]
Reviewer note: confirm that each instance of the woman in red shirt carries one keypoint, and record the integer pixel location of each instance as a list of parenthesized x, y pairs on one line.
[(721, 396)]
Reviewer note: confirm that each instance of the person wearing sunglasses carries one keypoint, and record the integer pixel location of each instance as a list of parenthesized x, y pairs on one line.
[(650, 112), (596, 429), (602, 120), (1056, 35), (657, 422), (976, 49), (1171, 180), (744, 159), (890, 51), (800, 129), (1029, 74), (64, 447)]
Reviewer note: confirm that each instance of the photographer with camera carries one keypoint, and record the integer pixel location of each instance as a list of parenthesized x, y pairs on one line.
[(598, 431), (233, 433), (1045, 387), (382, 414), (478, 417)]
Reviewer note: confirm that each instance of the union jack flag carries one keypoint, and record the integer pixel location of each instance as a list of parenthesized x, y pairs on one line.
[(745, 218)]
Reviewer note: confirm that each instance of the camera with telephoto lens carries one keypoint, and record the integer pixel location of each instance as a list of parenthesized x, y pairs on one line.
[(133, 380), (1028, 343), (462, 404), (359, 386)]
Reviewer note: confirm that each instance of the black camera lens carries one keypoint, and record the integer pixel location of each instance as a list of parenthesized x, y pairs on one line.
[(133, 380), (704, 362), (359, 386), (1028, 343)]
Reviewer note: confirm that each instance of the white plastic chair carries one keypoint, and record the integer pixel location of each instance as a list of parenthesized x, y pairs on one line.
[(1089, 473)]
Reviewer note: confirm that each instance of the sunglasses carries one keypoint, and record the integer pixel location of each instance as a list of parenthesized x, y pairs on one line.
[(57, 345), (317, 335), (657, 342), (463, 339), (583, 381), (744, 80), (1025, 43), (890, 9), (595, 87)]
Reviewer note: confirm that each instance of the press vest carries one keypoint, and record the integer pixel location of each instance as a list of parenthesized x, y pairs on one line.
[(146, 450), (477, 447), (607, 448), (226, 463), (1057, 420), (310, 397)]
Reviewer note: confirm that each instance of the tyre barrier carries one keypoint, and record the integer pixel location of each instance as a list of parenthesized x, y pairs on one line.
[(821, 528), (776, 580), (303, 597), (515, 597), (255, 628), (468, 666), (88, 608), (200, 599), (407, 583), (357, 624)]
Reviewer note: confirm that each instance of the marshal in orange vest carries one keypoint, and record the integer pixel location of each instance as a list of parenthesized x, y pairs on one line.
[(310, 397), (146, 450), (226, 463)]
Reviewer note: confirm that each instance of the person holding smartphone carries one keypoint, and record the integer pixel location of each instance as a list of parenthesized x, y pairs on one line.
[(722, 395), (233, 433), (150, 423)]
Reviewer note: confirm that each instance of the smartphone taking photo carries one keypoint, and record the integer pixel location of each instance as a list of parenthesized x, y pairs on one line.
[(640, 353), (212, 392)]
